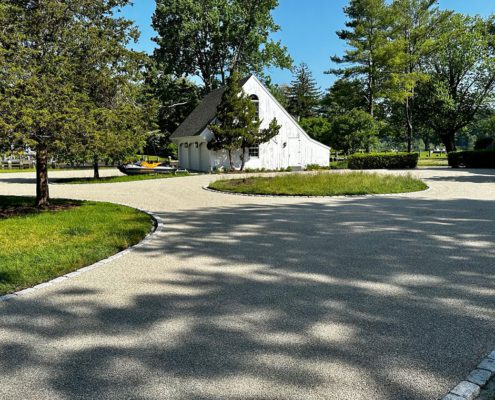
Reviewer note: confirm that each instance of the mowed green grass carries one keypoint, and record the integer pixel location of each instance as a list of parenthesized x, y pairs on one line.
[(40, 246), (322, 184), (433, 162), (120, 178)]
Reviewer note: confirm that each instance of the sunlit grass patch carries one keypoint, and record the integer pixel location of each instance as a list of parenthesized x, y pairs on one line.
[(39, 246), (322, 184)]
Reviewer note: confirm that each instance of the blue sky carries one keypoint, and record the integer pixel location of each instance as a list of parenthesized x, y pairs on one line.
[(308, 31)]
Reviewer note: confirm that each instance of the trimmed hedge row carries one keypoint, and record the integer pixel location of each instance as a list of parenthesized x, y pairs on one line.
[(472, 159), (383, 161)]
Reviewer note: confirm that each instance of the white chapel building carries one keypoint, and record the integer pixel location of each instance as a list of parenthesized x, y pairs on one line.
[(292, 147)]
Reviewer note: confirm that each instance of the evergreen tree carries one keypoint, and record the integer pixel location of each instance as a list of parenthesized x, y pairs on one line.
[(370, 52), (68, 53), (303, 95), (238, 124)]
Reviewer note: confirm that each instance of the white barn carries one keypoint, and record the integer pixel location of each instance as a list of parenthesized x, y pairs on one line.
[(292, 147)]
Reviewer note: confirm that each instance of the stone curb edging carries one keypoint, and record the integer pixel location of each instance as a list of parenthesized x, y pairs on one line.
[(477, 379), (157, 227), (301, 196)]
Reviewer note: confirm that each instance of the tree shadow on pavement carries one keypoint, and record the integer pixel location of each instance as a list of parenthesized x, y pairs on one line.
[(365, 298)]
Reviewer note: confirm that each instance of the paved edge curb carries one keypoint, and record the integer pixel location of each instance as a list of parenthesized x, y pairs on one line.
[(470, 388), (301, 196), (157, 228)]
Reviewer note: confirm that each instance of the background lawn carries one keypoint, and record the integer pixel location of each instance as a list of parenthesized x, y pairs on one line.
[(39, 246), (120, 178), (322, 184)]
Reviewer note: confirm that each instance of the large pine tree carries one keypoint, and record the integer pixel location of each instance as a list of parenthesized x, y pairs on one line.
[(369, 53), (303, 94)]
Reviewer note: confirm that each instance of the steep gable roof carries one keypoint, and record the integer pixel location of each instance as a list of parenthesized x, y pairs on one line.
[(203, 114)]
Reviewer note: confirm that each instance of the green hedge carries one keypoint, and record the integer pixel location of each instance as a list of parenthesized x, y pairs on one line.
[(383, 161), (472, 159)]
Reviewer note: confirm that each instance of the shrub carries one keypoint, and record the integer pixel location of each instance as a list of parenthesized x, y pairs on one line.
[(383, 161), (316, 167), (484, 143), (472, 159)]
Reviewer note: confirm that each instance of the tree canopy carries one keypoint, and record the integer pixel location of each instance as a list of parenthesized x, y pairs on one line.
[(211, 38), (66, 72)]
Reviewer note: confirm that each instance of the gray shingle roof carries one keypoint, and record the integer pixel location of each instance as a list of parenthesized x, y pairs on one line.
[(203, 114)]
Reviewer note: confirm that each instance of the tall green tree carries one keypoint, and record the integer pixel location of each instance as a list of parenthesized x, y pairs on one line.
[(356, 130), (211, 38), (319, 128), (109, 74), (41, 96), (175, 98), (343, 96), (52, 91), (370, 51), (462, 82), (415, 30), (238, 124), (303, 95)]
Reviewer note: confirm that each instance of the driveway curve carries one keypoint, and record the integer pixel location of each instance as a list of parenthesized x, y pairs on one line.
[(386, 297)]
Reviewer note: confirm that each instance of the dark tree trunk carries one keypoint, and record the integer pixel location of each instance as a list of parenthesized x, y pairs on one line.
[(449, 141), (42, 192), (96, 168)]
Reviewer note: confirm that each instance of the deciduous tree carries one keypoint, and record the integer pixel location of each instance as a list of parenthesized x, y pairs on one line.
[(462, 82), (356, 130), (211, 38), (415, 31)]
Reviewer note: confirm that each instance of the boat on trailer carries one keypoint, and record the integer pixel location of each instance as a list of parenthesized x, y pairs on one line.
[(147, 168)]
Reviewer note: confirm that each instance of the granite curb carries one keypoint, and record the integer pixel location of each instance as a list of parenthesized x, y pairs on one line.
[(478, 378)]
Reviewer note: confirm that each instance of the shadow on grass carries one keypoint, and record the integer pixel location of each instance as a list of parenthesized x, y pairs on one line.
[(379, 298)]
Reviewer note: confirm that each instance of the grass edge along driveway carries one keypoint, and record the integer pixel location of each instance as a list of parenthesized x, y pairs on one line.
[(38, 246)]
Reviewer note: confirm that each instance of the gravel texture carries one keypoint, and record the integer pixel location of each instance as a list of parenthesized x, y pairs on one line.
[(266, 298)]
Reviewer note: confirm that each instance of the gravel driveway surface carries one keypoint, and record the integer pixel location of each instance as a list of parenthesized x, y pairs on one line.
[(243, 298)]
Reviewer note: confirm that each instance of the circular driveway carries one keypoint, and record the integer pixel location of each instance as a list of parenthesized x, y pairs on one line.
[(243, 298)]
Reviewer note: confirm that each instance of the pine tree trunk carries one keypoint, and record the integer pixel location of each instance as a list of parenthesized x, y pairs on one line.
[(96, 168), (42, 192)]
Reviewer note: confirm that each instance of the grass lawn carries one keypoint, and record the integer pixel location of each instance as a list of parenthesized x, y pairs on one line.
[(39, 246), (120, 178), (322, 184), (433, 162)]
